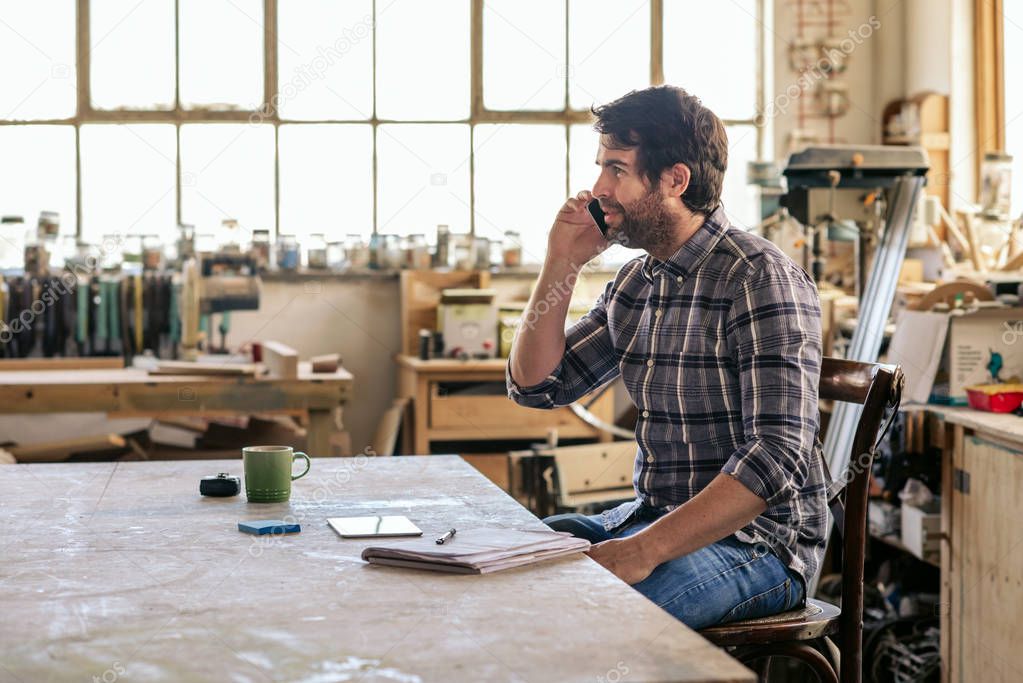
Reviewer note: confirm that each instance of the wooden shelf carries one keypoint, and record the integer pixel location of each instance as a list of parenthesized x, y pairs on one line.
[(895, 542)]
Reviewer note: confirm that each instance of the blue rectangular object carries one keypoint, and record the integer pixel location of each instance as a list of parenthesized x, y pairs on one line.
[(268, 526)]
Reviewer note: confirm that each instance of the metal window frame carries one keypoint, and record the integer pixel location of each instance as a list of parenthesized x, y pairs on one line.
[(479, 114)]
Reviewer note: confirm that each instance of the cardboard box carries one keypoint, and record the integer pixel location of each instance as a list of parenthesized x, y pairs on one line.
[(468, 320), (973, 339)]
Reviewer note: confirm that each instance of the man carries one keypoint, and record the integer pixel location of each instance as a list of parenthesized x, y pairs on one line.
[(716, 334)]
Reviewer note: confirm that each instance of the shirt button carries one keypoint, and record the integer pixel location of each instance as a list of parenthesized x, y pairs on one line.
[(658, 313), (679, 279), (649, 458), (646, 413), (650, 363)]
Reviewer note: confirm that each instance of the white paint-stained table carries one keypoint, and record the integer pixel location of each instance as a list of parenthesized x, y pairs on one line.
[(121, 571)]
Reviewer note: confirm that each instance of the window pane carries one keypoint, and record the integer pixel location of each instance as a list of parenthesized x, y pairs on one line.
[(421, 46), (520, 182), (37, 174), (132, 54), (221, 53), (1013, 43), (128, 180), (737, 196), (608, 49), (726, 80), (37, 60), (582, 157), (423, 178), (326, 180), (325, 56), (227, 171), (524, 54)]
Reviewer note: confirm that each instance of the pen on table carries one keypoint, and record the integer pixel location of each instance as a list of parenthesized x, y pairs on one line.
[(446, 537)]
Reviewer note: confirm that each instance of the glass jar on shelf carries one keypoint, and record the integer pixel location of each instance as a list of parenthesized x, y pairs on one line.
[(12, 242), (132, 250), (316, 256), (288, 255), (376, 251), (463, 252), (512, 253), (482, 248), (152, 252), (186, 241), (111, 252), (36, 258), (996, 184), (336, 259), (259, 251), (49, 225), (230, 237), (441, 258), (417, 252), (390, 252), (356, 252)]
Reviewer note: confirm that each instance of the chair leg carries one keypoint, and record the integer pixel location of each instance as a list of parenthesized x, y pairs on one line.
[(804, 652), (828, 648)]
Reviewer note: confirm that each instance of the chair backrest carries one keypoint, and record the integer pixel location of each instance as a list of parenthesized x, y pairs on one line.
[(878, 388)]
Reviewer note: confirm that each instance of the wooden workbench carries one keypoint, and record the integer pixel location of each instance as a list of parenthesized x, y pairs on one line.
[(123, 567), (132, 392)]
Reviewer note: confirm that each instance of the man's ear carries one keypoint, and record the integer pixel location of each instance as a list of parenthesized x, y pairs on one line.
[(680, 176)]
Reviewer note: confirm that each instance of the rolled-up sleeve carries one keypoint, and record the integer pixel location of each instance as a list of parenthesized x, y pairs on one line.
[(774, 333), (589, 362)]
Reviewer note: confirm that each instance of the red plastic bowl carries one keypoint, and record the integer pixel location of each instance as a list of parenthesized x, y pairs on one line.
[(1004, 402)]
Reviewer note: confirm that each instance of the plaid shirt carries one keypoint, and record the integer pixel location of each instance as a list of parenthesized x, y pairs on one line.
[(720, 350)]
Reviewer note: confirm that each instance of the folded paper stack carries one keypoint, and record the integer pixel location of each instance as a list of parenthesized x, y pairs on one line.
[(477, 551)]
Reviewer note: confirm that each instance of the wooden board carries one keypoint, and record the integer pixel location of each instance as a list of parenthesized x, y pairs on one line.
[(57, 451), (99, 363), (280, 359), (132, 568), (174, 367), (132, 391)]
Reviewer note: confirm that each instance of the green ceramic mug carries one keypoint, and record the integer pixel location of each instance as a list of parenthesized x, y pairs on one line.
[(268, 474)]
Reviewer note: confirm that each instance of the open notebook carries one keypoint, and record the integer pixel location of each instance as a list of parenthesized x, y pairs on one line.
[(477, 551)]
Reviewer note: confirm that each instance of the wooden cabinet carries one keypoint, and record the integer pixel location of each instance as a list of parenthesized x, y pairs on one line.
[(482, 412), (982, 558)]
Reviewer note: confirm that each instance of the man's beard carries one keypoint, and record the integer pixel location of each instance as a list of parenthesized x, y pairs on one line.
[(645, 224)]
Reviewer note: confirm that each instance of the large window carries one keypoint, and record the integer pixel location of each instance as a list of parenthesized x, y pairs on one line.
[(1012, 25), (320, 116)]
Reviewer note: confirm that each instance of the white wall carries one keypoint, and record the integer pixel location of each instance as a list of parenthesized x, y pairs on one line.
[(919, 45)]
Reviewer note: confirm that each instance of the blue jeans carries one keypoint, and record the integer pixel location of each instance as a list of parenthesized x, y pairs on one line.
[(725, 581)]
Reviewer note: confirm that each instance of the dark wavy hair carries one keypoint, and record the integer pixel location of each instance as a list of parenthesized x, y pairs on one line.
[(668, 126)]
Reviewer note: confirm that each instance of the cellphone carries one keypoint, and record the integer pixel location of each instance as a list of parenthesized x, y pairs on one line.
[(598, 216)]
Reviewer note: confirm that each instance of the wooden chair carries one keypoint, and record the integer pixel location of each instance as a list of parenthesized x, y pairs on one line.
[(805, 634)]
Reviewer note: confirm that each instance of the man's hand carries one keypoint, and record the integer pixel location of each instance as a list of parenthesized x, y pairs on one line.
[(624, 558), (574, 238)]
